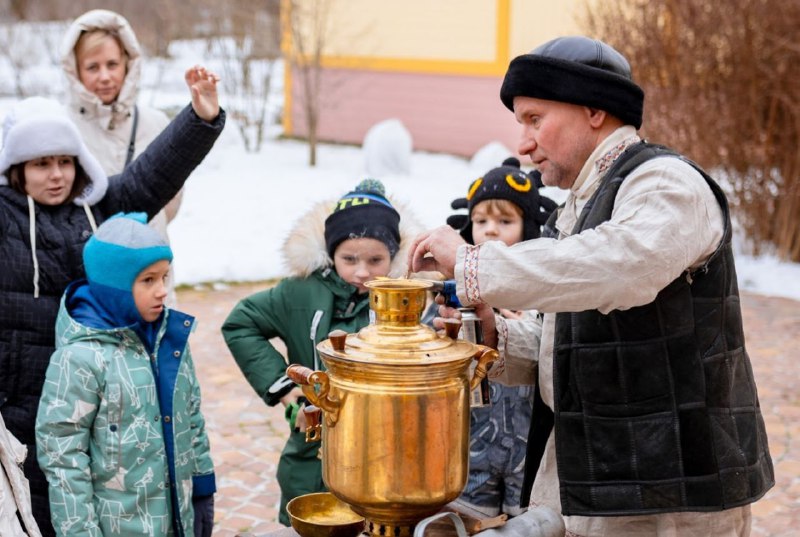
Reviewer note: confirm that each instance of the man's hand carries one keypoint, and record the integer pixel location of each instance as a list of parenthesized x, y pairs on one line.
[(484, 312), (435, 251), (203, 86), (511, 314)]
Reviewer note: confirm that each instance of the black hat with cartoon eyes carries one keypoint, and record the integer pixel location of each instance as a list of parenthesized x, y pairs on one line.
[(507, 182)]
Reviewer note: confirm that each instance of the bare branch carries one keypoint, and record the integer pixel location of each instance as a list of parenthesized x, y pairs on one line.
[(723, 87)]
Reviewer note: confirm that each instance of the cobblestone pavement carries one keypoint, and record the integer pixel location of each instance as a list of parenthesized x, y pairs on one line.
[(247, 436)]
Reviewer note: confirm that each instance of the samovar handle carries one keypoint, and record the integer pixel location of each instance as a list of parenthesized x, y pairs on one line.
[(485, 356), (308, 380)]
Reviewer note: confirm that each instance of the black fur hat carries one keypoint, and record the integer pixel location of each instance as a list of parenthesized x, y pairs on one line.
[(507, 182), (576, 70)]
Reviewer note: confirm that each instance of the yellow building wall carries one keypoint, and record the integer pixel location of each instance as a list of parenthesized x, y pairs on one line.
[(473, 38), (467, 37), (458, 30), (534, 22)]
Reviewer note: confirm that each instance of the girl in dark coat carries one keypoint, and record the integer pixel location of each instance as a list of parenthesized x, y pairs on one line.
[(53, 194)]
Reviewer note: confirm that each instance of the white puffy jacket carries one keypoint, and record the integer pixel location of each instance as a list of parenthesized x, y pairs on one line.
[(107, 128), (15, 495)]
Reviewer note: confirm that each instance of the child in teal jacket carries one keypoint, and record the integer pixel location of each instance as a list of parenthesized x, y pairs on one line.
[(119, 432), (331, 254)]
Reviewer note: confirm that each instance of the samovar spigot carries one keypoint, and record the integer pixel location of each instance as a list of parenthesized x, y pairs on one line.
[(485, 357), (313, 423)]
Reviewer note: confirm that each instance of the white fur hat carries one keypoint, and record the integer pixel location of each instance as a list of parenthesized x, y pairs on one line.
[(39, 127)]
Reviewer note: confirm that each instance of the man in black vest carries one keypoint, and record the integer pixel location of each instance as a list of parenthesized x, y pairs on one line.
[(646, 418)]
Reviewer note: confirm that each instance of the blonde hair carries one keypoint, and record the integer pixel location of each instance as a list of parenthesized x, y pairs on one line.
[(92, 39), (499, 207)]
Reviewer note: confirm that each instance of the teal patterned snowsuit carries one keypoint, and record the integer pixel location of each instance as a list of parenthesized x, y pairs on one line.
[(100, 430)]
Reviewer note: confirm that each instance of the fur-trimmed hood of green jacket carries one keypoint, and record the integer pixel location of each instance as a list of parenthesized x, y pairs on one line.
[(302, 309), (304, 249)]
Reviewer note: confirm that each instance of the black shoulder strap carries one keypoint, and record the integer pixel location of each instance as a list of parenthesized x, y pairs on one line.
[(542, 420), (132, 143), (637, 155), (549, 230), (630, 159)]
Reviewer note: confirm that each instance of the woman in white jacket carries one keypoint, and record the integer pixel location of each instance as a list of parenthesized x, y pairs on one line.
[(16, 518), (102, 62)]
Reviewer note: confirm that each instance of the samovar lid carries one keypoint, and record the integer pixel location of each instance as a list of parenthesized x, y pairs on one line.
[(397, 337)]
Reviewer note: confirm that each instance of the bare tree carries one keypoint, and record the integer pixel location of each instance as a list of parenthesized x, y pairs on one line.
[(247, 80), (723, 86), (246, 39), (308, 23), (27, 48), (8, 37), (156, 22)]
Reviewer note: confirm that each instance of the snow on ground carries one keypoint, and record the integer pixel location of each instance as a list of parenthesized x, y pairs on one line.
[(238, 206)]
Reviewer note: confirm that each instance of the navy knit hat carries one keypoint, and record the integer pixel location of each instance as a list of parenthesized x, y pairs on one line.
[(576, 70), (122, 247), (363, 213), (506, 182)]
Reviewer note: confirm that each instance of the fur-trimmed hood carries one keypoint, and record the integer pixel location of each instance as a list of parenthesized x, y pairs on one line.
[(39, 127), (304, 249), (82, 98)]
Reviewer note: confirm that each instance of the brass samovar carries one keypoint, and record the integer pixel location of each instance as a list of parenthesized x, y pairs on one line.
[(395, 401)]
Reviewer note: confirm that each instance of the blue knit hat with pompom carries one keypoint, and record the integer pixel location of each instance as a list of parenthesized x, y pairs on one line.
[(122, 247), (363, 213)]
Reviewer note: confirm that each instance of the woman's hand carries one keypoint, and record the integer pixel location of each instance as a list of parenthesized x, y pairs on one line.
[(203, 86)]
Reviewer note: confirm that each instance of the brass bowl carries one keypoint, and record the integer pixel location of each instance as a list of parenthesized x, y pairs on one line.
[(323, 515)]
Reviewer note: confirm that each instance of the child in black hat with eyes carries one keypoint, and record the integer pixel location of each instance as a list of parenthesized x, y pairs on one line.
[(331, 253), (503, 205)]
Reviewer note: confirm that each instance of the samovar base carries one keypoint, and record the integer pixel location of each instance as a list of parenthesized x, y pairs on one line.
[(377, 528)]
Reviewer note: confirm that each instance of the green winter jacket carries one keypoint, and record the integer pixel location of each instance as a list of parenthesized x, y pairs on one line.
[(301, 310), (100, 430)]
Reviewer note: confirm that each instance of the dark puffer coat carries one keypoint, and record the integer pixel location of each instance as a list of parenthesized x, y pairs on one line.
[(27, 323)]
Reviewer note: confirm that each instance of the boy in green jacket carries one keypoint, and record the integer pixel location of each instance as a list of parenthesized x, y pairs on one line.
[(331, 255), (119, 432)]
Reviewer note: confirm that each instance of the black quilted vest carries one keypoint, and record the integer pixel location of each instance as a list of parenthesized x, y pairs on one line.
[(656, 409)]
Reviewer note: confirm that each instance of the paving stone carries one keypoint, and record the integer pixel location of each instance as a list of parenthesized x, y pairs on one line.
[(265, 527), (788, 467), (766, 507), (239, 523), (247, 436), (225, 532), (789, 411), (257, 510)]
